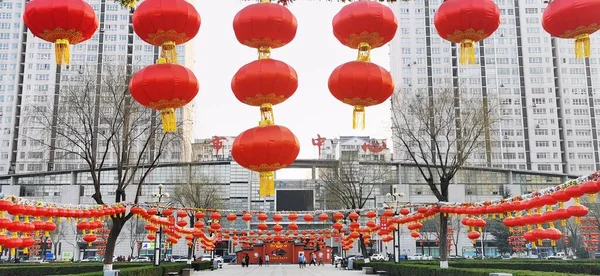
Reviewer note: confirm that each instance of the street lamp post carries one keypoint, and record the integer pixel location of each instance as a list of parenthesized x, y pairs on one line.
[(395, 203), (159, 206)]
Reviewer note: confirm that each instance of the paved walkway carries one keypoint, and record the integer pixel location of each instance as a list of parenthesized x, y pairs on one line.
[(279, 270)]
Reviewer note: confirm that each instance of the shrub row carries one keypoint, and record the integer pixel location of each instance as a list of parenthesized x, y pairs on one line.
[(95, 269), (58, 269), (411, 269), (564, 267)]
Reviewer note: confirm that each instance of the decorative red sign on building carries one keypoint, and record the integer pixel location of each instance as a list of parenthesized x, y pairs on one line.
[(318, 142), (374, 146), (217, 143)]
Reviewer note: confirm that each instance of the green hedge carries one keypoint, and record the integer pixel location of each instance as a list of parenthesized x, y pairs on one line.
[(549, 266), (149, 270), (58, 269), (410, 269)]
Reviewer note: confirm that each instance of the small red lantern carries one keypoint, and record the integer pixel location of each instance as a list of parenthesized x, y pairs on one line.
[(573, 19), (361, 84), (62, 22), (467, 22), (265, 26), (265, 149), (164, 87), (166, 23)]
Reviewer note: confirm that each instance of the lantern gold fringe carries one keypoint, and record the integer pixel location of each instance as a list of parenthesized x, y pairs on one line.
[(267, 118), (467, 52), (169, 52), (582, 46), (592, 197), (169, 121), (62, 51), (267, 183), (358, 117)]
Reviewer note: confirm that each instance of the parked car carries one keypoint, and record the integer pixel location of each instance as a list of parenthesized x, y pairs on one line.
[(218, 259), (140, 259), (178, 259), (558, 256), (205, 258), (229, 258), (377, 257), (420, 257)]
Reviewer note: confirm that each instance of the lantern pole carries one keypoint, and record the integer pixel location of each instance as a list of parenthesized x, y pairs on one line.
[(159, 206), (395, 203)]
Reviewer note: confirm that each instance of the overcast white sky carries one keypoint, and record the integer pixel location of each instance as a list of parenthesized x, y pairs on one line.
[(314, 53)]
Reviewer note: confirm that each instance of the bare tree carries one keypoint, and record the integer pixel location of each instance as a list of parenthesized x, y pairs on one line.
[(456, 225), (352, 184), (200, 193), (63, 229), (439, 129), (136, 233), (95, 119)]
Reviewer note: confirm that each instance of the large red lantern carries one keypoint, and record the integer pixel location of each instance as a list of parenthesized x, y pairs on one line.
[(361, 84), (62, 22), (265, 26), (467, 22), (164, 87), (264, 83), (365, 25), (265, 149), (166, 23), (573, 19)]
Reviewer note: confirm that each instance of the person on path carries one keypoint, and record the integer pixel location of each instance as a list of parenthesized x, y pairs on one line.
[(313, 259), (243, 261), (301, 260), (247, 260), (267, 259), (260, 261)]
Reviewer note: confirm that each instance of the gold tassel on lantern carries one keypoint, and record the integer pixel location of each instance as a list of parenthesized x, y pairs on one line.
[(267, 183), (364, 52), (358, 117), (267, 118), (467, 52), (582, 46), (169, 121), (62, 51), (169, 52)]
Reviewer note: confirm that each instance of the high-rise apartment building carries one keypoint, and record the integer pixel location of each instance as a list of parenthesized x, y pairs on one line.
[(546, 99), (30, 79)]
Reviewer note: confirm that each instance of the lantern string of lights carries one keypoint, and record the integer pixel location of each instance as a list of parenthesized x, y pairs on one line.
[(264, 83)]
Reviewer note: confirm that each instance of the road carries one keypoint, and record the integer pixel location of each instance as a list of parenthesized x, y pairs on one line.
[(278, 270)]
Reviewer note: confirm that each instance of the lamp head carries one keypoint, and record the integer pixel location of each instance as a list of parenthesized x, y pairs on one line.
[(160, 186)]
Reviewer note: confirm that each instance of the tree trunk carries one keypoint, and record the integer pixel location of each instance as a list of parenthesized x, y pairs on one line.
[(443, 241), (115, 230), (363, 247), (191, 248)]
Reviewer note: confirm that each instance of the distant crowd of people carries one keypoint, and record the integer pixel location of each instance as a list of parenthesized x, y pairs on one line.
[(302, 260)]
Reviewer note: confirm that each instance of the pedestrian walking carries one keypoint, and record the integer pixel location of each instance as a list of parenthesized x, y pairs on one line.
[(313, 259), (260, 261), (247, 260), (267, 259), (301, 260)]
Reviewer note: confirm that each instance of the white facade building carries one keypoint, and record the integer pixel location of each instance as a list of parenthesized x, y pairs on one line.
[(29, 80), (546, 98), (363, 148)]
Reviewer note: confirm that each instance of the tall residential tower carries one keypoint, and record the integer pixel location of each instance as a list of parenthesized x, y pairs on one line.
[(546, 99)]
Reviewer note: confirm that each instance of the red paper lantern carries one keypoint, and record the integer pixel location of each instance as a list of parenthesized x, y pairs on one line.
[(89, 238), (166, 23), (573, 19), (62, 22), (266, 149), (264, 83), (164, 87), (265, 26), (365, 25), (361, 84), (467, 22)]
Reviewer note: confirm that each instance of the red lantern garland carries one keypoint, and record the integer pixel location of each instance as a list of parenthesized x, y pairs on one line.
[(363, 25)]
